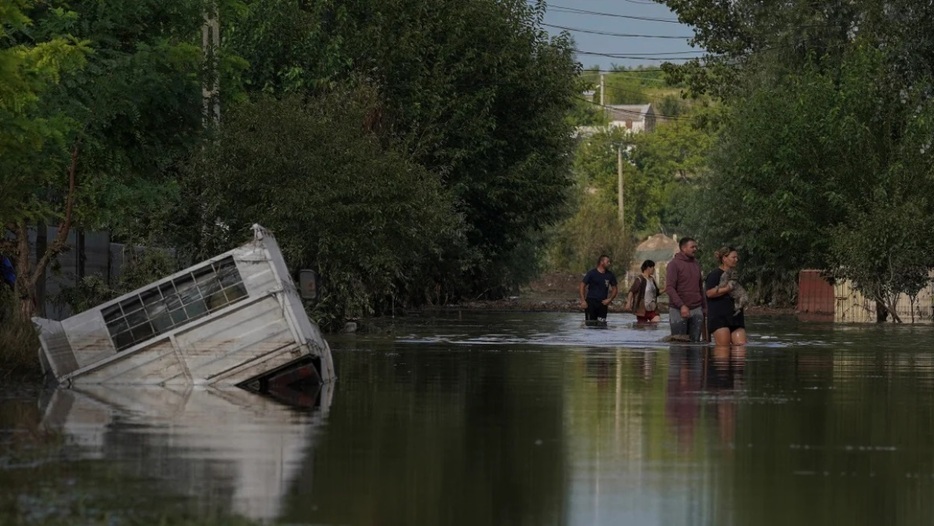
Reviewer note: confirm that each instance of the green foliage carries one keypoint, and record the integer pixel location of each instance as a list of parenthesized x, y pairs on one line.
[(625, 85), (670, 106), (366, 218), (476, 92), (118, 105), (32, 63), (287, 46), (815, 170), (881, 251), (586, 113), (787, 35), (655, 165), (139, 106), (593, 230), (673, 156), (132, 106)]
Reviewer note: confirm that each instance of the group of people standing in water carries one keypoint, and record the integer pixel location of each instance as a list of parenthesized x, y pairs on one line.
[(699, 308)]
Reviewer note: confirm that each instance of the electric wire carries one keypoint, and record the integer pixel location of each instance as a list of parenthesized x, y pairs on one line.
[(612, 34), (576, 11)]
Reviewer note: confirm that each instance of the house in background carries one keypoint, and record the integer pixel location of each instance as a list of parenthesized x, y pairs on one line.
[(636, 118)]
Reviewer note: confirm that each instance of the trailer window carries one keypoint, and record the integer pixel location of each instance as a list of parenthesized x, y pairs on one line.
[(161, 308)]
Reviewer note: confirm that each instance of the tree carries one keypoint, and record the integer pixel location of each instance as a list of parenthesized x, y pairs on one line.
[(476, 92), (821, 154), (105, 135), (674, 156), (363, 216), (31, 141)]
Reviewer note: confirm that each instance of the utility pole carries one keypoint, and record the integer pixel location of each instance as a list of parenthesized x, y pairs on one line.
[(210, 84), (603, 89), (619, 178)]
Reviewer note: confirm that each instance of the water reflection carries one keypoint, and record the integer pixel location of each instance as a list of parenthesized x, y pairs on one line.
[(488, 419), (234, 451)]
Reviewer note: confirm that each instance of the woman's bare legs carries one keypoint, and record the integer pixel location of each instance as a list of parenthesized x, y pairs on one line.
[(721, 337)]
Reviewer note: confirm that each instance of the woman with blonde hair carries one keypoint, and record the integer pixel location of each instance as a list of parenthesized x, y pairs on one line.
[(725, 322)]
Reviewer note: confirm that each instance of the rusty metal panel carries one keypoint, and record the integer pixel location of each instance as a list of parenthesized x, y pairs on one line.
[(815, 294)]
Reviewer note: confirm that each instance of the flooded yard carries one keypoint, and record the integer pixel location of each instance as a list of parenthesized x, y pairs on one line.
[(503, 418)]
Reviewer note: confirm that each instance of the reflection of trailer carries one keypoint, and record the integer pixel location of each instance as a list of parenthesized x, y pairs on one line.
[(232, 450), (236, 319)]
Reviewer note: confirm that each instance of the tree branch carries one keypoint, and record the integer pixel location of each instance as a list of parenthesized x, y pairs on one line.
[(59, 243)]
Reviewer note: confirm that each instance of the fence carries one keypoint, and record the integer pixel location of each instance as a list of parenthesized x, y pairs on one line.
[(90, 253), (845, 304), (851, 306)]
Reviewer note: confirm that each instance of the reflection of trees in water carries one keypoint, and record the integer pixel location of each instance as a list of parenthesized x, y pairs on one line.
[(439, 439)]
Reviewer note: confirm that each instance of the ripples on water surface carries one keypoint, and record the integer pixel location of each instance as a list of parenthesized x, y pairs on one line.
[(510, 418)]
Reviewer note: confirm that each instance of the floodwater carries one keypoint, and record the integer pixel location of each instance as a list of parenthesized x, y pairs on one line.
[(505, 418)]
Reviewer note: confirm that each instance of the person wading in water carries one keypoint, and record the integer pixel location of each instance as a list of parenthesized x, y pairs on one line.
[(597, 290)]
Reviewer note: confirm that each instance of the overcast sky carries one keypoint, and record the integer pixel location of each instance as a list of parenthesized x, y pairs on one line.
[(598, 27)]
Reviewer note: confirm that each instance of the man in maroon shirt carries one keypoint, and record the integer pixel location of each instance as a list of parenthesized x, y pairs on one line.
[(687, 302)]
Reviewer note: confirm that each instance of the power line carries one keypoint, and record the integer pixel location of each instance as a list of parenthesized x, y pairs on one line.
[(640, 56), (611, 34), (665, 53), (576, 11)]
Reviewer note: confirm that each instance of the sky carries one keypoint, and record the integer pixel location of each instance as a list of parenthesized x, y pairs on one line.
[(586, 19)]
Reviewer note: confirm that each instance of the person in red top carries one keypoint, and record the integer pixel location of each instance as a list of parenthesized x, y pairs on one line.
[(687, 301)]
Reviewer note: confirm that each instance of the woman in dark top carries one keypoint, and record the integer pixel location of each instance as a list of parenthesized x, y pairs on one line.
[(723, 324)]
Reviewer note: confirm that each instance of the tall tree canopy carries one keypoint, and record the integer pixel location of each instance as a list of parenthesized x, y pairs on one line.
[(105, 101), (476, 92), (824, 159), (365, 217)]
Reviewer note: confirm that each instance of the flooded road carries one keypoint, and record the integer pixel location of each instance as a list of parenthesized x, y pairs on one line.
[(504, 418)]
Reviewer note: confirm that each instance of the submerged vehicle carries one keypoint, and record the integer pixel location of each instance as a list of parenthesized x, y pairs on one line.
[(235, 319)]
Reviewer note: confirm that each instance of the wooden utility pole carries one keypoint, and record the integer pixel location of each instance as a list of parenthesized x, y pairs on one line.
[(619, 177), (210, 46), (603, 89)]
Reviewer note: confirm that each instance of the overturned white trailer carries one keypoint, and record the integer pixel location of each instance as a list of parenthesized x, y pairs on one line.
[(235, 319)]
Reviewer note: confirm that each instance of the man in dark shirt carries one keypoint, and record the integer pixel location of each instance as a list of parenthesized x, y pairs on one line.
[(687, 302), (597, 290)]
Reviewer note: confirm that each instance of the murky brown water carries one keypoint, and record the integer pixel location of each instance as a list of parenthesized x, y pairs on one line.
[(505, 419)]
